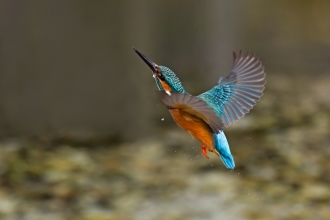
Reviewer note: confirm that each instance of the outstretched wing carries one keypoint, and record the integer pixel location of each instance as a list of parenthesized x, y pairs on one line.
[(235, 95), (194, 106)]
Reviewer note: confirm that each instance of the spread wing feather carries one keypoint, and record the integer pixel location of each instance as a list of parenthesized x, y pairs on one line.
[(235, 95), (192, 105)]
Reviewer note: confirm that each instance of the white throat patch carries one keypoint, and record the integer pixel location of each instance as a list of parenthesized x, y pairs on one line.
[(168, 93)]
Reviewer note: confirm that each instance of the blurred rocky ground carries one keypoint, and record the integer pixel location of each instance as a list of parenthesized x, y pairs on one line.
[(281, 149)]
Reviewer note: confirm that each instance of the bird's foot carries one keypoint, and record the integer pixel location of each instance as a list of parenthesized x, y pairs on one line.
[(204, 151)]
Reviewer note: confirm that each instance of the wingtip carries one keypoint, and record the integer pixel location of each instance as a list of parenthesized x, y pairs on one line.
[(234, 55), (241, 54)]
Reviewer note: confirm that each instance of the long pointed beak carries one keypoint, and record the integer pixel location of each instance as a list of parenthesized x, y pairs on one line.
[(150, 63)]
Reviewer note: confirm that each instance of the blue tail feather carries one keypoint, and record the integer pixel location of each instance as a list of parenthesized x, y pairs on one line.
[(222, 146)]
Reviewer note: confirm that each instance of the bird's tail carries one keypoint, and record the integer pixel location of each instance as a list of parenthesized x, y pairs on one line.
[(222, 146)]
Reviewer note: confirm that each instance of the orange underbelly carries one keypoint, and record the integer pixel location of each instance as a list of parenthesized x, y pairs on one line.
[(195, 126)]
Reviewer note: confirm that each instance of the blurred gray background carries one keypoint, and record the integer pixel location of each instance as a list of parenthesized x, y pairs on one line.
[(69, 66), (82, 135)]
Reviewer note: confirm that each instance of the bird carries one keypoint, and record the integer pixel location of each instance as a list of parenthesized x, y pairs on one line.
[(206, 115)]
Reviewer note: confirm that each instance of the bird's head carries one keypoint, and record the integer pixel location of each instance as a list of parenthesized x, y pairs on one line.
[(166, 79)]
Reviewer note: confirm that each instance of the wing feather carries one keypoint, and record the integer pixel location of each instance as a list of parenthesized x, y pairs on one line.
[(235, 95), (192, 105)]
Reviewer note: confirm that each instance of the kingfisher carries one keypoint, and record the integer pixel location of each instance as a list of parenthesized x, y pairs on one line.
[(205, 116)]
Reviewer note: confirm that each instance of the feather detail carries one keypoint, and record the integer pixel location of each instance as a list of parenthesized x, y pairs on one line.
[(194, 106), (235, 95)]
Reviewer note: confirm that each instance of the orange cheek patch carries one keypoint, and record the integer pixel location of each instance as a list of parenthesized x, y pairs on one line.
[(165, 86)]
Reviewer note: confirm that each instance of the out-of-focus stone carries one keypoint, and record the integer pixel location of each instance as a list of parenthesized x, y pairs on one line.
[(315, 191)]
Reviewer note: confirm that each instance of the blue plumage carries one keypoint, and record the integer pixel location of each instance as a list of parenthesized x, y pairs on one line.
[(172, 80), (222, 146), (216, 97)]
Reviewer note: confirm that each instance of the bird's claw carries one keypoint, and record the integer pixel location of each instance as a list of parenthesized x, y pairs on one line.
[(204, 151)]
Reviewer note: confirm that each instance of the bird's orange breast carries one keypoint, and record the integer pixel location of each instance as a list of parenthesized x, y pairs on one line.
[(195, 126)]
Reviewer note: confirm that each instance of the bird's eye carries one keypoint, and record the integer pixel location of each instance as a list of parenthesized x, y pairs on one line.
[(161, 77)]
